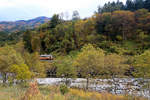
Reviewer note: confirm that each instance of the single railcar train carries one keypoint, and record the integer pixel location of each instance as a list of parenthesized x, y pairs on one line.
[(46, 57)]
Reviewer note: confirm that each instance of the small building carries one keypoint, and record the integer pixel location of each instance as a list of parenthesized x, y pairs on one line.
[(46, 57)]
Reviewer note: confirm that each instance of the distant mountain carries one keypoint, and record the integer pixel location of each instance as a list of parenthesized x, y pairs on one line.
[(7, 26)]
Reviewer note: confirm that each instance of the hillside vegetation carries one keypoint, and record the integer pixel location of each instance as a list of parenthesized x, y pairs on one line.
[(113, 43), (118, 39)]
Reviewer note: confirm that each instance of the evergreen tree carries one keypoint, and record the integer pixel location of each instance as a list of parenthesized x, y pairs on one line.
[(147, 4), (139, 4), (111, 6), (130, 5), (27, 37), (54, 21)]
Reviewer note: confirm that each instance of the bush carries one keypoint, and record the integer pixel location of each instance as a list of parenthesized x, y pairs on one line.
[(32, 91), (64, 89)]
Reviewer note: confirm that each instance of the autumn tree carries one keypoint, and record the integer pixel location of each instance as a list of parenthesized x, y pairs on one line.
[(36, 43), (89, 62), (143, 20), (8, 57), (35, 65), (123, 22), (115, 66), (118, 23), (85, 32), (141, 65), (20, 72), (19, 47), (60, 39), (65, 69), (32, 41)]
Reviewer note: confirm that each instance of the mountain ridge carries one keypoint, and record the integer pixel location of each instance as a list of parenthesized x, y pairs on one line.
[(13, 26)]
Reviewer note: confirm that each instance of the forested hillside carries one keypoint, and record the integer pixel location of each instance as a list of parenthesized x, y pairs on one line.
[(115, 26), (121, 31), (108, 52), (115, 41), (121, 34)]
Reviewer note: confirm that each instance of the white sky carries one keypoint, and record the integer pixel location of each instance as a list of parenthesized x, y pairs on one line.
[(11, 10)]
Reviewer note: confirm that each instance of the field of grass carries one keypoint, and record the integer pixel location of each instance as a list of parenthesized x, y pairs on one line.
[(9, 92), (35, 92)]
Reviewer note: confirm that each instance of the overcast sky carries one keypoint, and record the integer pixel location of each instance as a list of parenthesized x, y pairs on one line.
[(11, 10)]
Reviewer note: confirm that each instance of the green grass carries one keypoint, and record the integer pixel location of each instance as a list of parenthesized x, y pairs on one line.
[(9, 92)]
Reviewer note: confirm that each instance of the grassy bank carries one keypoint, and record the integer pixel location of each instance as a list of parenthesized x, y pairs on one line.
[(35, 92)]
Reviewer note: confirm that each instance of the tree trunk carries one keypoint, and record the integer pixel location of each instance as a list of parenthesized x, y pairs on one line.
[(87, 83), (123, 32), (4, 78), (66, 82), (75, 37), (113, 78)]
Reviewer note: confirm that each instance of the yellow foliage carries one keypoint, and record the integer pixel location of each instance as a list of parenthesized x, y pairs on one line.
[(88, 55), (100, 96), (115, 64), (21, 71)]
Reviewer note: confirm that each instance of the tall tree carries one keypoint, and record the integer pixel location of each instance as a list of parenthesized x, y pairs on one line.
[(20, 72), (35, 65), (130, 5), (115, 66), (123, 22), (147, 4), (104, 24), (139, 4), (27, 37), (65, 69), (116, 23), (36, 43), (54, 21), (8, 57), (141, 65), (142, 17), (111, 6), (90, 62)]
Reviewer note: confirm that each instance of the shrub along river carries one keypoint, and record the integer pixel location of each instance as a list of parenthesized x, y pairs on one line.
[(131, 86)]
